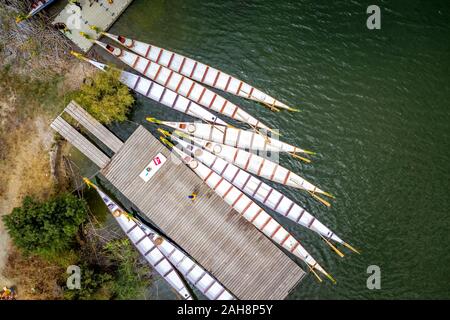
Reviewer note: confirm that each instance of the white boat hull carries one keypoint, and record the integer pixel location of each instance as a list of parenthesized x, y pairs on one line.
[(183, 86), (197, 71), (258, 190), (163, 95), (250, 210)]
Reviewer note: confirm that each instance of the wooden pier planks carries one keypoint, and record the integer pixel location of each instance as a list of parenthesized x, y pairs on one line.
[(101, 14), (224, 243), (93, 126), (80, 142)]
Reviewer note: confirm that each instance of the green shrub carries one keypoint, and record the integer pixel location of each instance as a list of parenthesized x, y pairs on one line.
[(105, 97), (46, 228), (95, 285), (132, 278)]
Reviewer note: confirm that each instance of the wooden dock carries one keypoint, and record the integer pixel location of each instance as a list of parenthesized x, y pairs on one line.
[(101, 14), (245, 261)]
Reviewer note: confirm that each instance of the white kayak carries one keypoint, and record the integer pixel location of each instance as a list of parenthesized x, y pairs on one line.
[(231, 136), (145, 245), (258, 190), (259, 166), (191, 270), (198, 71), (250, 210), (159, 93), (182, 85)]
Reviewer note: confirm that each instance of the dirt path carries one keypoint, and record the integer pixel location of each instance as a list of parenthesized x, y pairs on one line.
[(28, 173)]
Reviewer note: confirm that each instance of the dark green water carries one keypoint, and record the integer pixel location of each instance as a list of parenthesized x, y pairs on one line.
[(375, 106)]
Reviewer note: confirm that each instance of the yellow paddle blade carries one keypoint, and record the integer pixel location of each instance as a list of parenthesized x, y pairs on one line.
[(78, 55), (182, 134), (339, 253), (299, 157), (328, 195), (164, 132), (309, 152), (86, 36), (319, 199), (89, 183), (351, 248), (315, 274), (330, 277), (153, 120), (96, 29), (166, 142), (271, 107), (293, 109)]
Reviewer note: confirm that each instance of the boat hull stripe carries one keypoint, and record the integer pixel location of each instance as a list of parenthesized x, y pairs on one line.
[(190, 89), (149, 88), (237, 199), (290, 208), (212, 101), (159, 55), (256, 215), (268, 195), (136, 83), (148, 51), (135, 61), (147, 66), (266, 223), (209, 175), (162, 94), (150, 250), (251, 92), (217, 78), (140, 240), (218, 184), (228, 83), (227, 192), (168, 78), (157, 72), (170, 60), (132, 228), (275, 231), (204, 74), (201, 95), (182, 65), (278, 203), (179, 84), (239, 88), (257, 188), (301, 215), (193, 69)]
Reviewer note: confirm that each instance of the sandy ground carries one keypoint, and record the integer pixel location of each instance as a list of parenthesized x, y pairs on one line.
[(31, 157), (26, 170)]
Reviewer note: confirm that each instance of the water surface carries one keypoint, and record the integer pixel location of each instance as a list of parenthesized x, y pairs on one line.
[(374, 105)]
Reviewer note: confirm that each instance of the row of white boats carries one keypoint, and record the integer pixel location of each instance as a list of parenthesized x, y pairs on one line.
[(222, 155)]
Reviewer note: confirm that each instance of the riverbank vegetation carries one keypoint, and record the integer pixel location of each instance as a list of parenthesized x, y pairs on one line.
[(50, 228), (105, 97), (57, 233)]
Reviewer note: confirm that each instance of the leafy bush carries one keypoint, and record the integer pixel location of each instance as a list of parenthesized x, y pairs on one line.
[(132, 277), (105, 97), (46, 228), (95, 285)]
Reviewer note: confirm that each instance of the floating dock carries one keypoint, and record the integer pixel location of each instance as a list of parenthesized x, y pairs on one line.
[(101, 14), (245, 261)]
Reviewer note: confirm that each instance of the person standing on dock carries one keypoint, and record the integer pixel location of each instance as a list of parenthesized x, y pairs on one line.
[(192, 196)]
